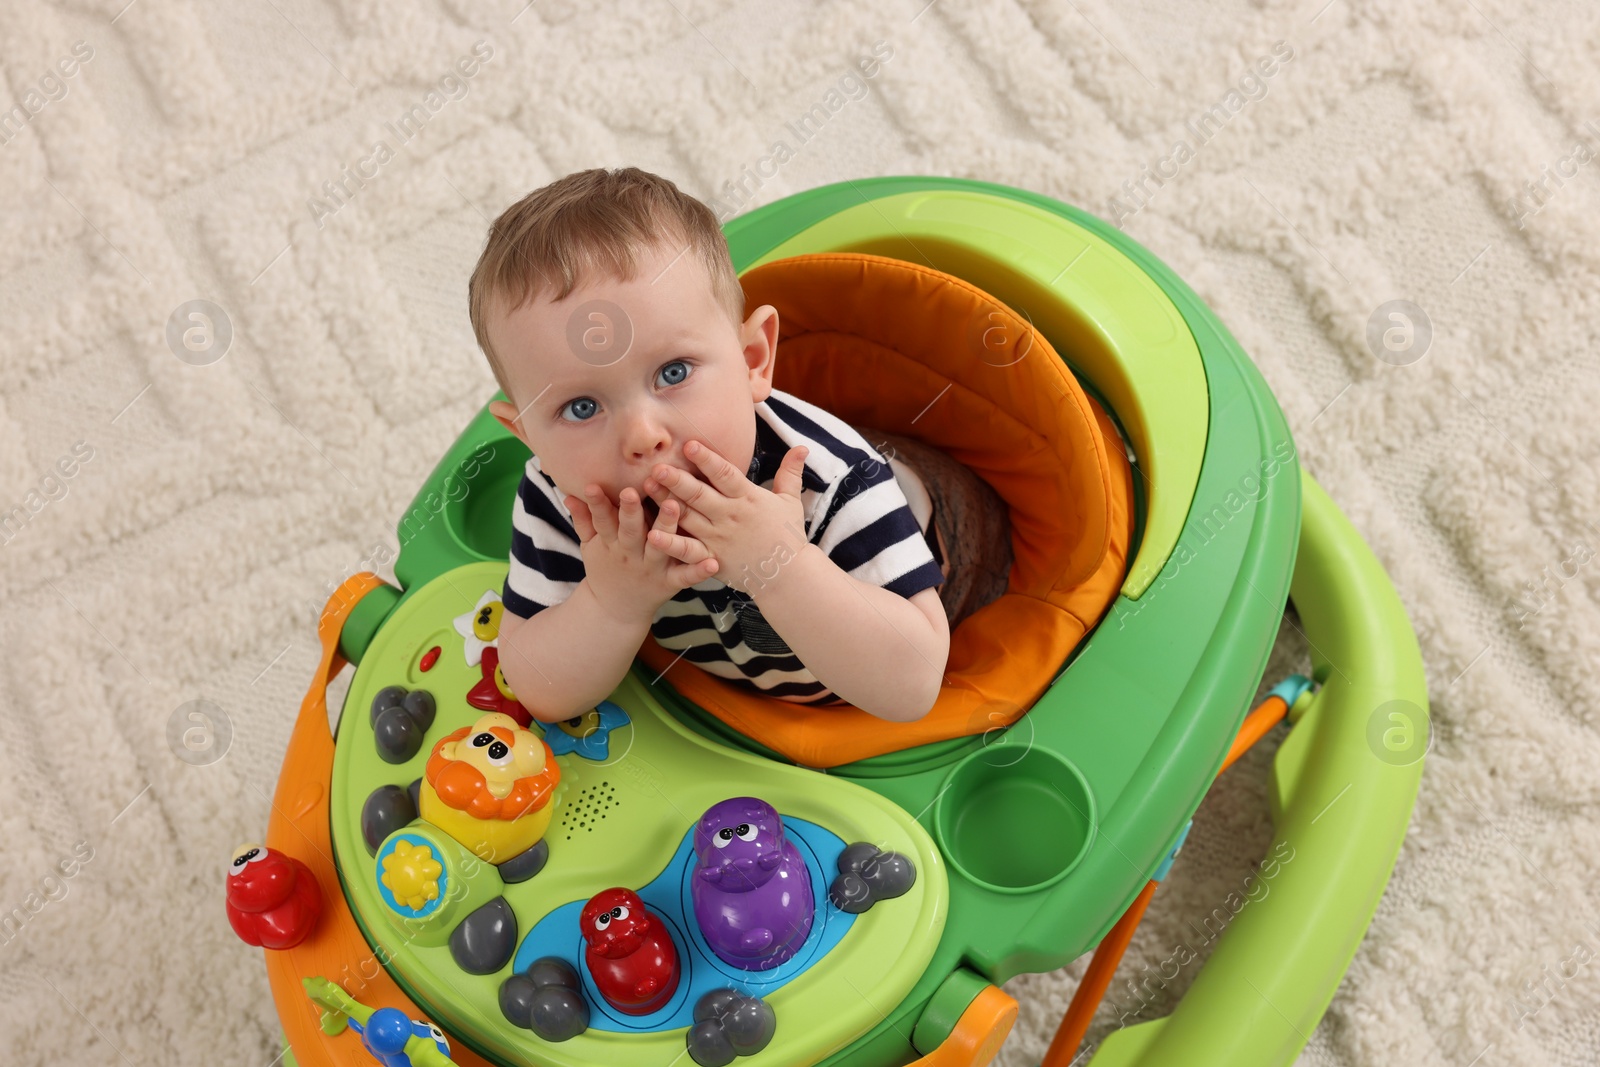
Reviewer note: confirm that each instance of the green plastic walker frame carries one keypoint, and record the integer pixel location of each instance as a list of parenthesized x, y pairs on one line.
[(1121, 749)]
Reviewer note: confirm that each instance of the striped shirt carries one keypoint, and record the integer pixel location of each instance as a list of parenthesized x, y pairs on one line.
[(855, 512)]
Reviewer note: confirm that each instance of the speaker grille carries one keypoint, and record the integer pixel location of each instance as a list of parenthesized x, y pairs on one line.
[(586, 810)]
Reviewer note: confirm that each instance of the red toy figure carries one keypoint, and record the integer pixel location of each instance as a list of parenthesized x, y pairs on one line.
[(629, 952), (273, 900)]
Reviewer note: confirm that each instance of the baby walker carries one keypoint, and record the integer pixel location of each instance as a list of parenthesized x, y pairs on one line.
[(694, 870)]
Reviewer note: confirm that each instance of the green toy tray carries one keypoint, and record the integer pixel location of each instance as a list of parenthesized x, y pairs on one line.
[(617, 820)]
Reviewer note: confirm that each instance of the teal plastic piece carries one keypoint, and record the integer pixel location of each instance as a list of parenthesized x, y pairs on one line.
[(1290, 689), (1160, 872)]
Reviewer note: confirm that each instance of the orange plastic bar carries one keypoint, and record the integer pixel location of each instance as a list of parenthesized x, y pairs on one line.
[(1108, 954), (1096, 980), (299, 826), (1262, 717)]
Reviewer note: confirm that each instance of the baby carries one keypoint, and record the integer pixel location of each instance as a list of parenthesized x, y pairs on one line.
[(672, 490)]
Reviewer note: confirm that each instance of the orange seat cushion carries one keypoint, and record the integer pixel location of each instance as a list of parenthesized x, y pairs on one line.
[(917, 352)]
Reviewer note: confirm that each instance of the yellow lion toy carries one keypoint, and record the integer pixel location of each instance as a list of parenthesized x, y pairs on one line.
[(489, 786)]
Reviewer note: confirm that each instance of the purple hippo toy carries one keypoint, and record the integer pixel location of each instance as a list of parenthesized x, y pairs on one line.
[(751, 889)]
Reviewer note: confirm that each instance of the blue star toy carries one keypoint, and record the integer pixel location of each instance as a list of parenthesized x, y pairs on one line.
[(589, 734)]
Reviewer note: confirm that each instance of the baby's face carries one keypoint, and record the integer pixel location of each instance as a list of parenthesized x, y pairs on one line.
[(619, 376)]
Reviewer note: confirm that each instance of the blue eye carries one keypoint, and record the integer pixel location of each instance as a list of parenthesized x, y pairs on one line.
[(584, 408), (583, 403)]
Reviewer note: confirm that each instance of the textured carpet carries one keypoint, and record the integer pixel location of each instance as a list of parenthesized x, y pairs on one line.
[(172, 525)]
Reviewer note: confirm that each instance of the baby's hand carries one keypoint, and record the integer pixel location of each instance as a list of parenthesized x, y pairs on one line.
[(630, 576), (749, 530)]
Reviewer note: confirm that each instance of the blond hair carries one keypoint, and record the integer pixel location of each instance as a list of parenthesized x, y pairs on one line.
[(594, 220)]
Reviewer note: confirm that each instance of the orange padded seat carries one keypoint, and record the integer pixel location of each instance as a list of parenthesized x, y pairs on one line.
[(877, 341)]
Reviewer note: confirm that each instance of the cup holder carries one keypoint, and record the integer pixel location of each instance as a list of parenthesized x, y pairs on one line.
[(478, 495), (1015, 819)]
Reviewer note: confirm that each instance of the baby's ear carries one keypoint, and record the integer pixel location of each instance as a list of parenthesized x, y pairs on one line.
[(506, 416)]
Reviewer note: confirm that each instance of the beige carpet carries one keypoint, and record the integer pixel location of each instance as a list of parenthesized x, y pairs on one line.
[(172, 526)]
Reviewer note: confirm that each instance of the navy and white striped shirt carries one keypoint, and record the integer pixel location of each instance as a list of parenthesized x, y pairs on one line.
[(855, 512)]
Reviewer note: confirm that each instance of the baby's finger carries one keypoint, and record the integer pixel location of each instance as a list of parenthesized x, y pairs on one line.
[(631, 522), (687, 574), (679, 547), (661, 517), (693, 492), (651, 490), (683, 514), (601, 513), (723, 476), (582, 521), (790, 479), (666, 522)]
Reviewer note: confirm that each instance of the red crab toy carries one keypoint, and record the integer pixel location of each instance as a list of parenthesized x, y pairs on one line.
[(273, 900), (629, 952)]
